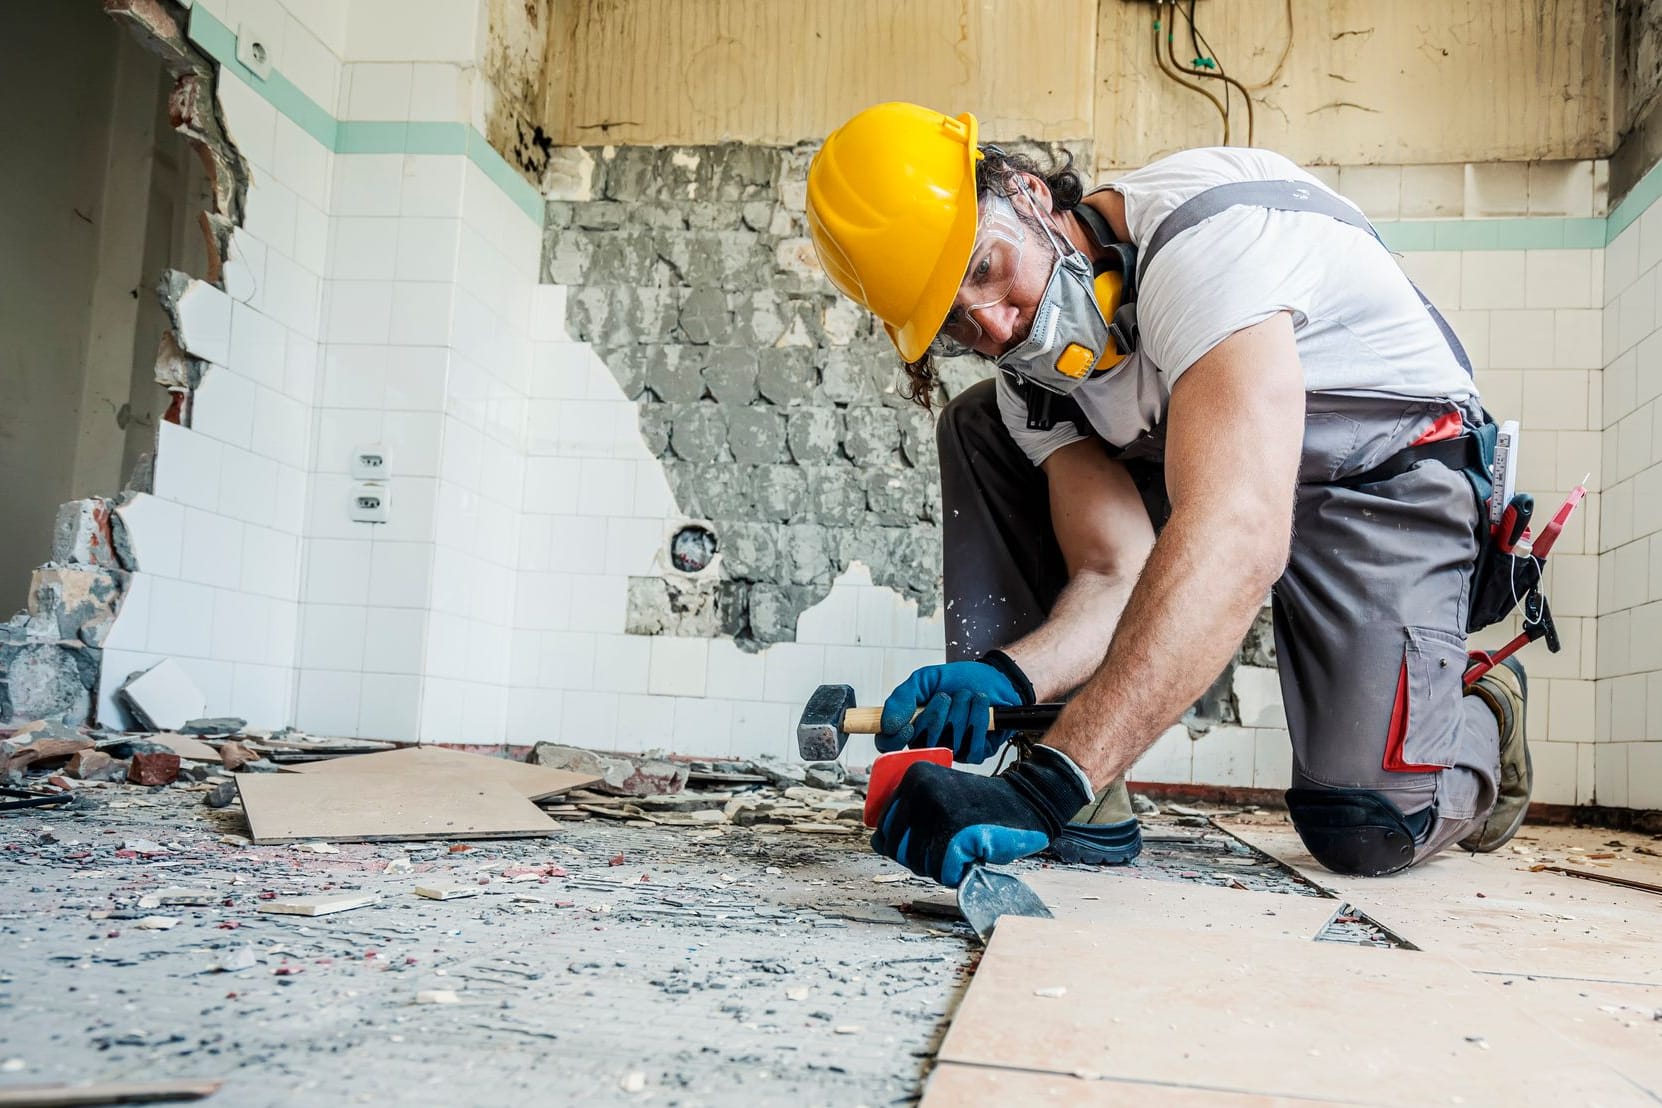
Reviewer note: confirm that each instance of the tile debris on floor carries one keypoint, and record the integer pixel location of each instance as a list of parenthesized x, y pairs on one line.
[(686, 933)]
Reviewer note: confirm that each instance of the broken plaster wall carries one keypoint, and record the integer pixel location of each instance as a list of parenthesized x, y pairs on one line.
[(771, 400), (216, 538)]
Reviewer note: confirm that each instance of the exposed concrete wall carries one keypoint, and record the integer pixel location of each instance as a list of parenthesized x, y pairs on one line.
[(1636, 76), (770, 399), (59, 60)]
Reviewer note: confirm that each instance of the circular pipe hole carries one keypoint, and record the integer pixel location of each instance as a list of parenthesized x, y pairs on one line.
[(691, 548)]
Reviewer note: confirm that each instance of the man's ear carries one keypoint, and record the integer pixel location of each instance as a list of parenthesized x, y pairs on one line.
[(1040, 192)]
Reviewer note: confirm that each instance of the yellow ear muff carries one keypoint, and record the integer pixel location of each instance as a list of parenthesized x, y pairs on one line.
[(1109, 288)]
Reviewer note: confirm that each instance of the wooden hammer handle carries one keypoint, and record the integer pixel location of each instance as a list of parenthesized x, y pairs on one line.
[(868, 721)]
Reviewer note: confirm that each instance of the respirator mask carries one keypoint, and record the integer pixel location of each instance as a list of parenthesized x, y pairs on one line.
[(1084, 324)]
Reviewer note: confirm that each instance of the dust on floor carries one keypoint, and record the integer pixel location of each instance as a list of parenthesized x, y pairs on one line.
[(609, 964)]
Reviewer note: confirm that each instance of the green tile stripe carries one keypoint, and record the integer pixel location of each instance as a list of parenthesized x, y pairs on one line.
[(351, 136), (221, 44)]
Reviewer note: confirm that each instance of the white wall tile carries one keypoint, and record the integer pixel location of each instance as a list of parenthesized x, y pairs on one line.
[(679, 665), (379, 91), (644, 722), (213, 549), (155, 532), (1169, 760), (792, 671), (367, 184), (1433, 191), (1490, 279), (327, 702), (703, 726), (1225, 756), (337, 571), (181, 619), (761, 729)]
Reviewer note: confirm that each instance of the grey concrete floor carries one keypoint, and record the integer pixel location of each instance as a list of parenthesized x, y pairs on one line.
[(671, 967)]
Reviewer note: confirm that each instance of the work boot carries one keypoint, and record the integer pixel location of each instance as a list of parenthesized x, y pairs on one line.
[(1103, 832), (1505, 690)]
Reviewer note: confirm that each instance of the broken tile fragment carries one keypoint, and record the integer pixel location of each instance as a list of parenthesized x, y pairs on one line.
[(95, 765), (446, 890), (163, 697), (620, 774), (214, 725), (437, 996), (319, 905)]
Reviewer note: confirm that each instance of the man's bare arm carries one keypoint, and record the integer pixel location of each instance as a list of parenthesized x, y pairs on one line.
[(1236, 430), (1103, 529)]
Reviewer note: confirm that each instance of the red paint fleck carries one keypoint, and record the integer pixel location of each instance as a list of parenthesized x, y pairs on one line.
[(267, 894), (126, 854), (79, 855), (460, 848), (229, 924), (288, 971), (615, 861), (408, 960), (372, 953), (112, 934)]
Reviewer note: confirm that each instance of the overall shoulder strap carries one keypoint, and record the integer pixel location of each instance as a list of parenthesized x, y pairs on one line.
[(1288, 196)]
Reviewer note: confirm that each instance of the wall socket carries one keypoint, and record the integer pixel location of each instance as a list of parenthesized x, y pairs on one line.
[(370, 502), (254, 50), (370, 463)]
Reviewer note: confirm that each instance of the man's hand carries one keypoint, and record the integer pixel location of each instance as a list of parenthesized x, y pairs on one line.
[(941, 821), (954, 699)]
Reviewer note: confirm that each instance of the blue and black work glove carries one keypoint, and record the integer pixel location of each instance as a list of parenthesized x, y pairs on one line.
[(954, 699), (941, 820)]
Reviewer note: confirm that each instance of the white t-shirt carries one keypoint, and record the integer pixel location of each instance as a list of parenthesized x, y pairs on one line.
[(1359, 325)]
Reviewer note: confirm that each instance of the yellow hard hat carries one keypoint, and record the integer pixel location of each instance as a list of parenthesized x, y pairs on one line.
[(892, 211)]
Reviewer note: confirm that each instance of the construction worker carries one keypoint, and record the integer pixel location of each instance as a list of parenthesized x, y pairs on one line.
[(1211, 383)]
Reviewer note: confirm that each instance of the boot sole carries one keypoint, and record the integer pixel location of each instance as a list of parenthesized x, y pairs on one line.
[(1099, 844)]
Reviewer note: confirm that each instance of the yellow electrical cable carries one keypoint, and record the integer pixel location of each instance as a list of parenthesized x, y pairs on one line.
[(1160, 11)]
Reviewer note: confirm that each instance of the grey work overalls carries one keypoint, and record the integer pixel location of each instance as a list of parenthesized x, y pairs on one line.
[(1370, 613)]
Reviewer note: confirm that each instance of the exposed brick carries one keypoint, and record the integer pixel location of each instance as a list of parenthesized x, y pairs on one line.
[(153, 769)]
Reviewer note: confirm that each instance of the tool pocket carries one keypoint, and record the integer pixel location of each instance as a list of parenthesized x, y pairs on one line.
[(1329, 441), (1500, 582), (1424, 732)]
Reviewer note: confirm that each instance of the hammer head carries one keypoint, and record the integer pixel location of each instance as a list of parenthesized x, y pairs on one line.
[(819, 734)]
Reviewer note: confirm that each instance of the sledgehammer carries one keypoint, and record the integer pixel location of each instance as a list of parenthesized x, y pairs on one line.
[(831, 717)]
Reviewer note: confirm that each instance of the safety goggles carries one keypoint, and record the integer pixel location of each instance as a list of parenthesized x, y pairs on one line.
[(1000, 240)]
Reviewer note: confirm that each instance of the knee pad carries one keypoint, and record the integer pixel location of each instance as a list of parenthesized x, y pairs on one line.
[(1355, 832)]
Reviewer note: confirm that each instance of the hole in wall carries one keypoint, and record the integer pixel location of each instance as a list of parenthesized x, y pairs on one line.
[(691, 548)]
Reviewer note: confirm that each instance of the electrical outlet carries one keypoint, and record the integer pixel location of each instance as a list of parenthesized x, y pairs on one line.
[(255, 50), (369, 463), (370, 502)]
